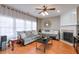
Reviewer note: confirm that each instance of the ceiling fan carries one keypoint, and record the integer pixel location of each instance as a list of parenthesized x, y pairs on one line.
[(44, 10)]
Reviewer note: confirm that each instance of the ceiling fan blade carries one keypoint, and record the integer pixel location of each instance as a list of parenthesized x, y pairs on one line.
[(39, 9), (51, 9)]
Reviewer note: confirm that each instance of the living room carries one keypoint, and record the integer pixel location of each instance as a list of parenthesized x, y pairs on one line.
[(29, 21)]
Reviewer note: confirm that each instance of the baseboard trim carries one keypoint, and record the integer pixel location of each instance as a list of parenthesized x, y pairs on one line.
[(67, 42)]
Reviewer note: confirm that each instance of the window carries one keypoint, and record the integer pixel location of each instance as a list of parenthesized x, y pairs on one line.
[(28, 25), (34, 25), (19, 25), (6, 25), (9, 26)]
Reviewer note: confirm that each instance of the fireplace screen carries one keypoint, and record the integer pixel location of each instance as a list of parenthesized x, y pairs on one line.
[(68, 36)]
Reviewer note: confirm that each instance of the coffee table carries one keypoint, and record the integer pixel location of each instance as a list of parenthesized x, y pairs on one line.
[(43, 41)]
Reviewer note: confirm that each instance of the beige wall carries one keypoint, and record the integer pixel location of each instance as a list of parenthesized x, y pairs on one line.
[(39, 23), (78, 20), (54, 23), (78, 15), (69, 18)]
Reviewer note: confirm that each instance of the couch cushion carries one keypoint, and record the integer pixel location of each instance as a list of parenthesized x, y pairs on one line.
[(23, 35), (28, 34), (34, 32)]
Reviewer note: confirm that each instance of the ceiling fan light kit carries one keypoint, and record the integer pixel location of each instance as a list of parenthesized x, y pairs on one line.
[(44, 10), (58, 11), (44, 13)]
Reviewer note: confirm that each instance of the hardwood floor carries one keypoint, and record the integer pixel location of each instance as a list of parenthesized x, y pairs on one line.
[(57, 47)]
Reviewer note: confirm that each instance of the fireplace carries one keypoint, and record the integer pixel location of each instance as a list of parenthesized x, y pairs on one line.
[(68, 36)]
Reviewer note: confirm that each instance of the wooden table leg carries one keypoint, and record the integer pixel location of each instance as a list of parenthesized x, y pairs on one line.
[(74, 43), (77, 48), (44, 48)]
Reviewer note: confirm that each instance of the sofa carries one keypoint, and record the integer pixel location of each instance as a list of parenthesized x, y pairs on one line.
[(28, 36), (51, 33)]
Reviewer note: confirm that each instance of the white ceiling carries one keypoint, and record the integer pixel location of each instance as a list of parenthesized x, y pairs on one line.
[(30, 8)]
